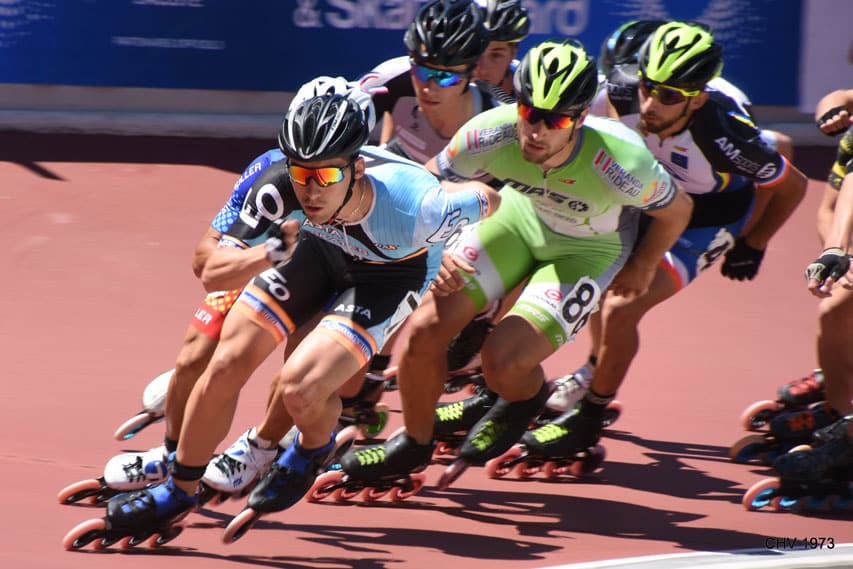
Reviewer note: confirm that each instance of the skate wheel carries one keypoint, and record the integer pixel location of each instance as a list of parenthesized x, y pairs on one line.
[(411, 487), (165, 536), (444, 449), (526, 470), (85, 533), (760, 494), (589, 463), (238, 526), (129, 428), (79, 491), (324, 485), (345, 494), (757, 415), (373, 494), (611, 414), (553, 469), (502, 465), (747, 449), (452, 473), (132, 541)]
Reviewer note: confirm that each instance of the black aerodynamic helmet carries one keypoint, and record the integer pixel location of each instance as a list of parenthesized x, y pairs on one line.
[(323, 127), (448, 33), (681, 54), (506, 20), (556, 76), (622, 46)]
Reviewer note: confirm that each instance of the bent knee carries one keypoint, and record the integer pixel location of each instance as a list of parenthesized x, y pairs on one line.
[(502, 366)]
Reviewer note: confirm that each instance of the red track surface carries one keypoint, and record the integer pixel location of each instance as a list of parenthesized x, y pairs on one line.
[(97, 294)]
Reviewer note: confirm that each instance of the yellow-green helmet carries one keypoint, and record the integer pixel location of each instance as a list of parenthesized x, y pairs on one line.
[(556, 76), (682, 55)]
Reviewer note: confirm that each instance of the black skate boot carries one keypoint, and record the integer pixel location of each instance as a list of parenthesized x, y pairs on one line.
[(803, 391), (816, 478), (393, 468), (564, 436), (454, 420), (786, 432), (466, 345)]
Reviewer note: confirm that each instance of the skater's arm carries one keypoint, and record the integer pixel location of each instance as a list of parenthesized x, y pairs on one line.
[(206, 246), (667, 224)]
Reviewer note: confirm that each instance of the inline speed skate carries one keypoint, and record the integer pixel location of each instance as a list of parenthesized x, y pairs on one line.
[(792, 396), (810, 478), (566, 446), (392, 469), (501, 427), (786, 431), (153, 407), (568, 391), (135, 517), (123, 472), (291, 476), (233, 474)]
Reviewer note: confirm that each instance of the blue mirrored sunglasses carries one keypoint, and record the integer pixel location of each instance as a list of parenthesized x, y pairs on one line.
[(442, 78)]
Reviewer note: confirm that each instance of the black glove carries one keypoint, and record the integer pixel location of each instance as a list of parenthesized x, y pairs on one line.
[(742, 261), (831, 113), (832, 263)]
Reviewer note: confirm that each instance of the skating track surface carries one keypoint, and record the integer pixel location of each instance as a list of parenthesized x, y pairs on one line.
[(97, 293)]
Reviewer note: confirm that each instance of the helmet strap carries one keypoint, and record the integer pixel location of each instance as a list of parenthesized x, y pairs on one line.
[(334, 218)]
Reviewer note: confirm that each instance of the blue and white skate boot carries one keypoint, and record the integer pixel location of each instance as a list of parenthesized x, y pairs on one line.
[(235, 471)]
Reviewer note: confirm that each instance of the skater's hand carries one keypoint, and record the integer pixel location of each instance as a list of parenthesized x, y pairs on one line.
[(742, 261), (835, 120), (449, 279), (633, 279), (831, 267), (282, 240)]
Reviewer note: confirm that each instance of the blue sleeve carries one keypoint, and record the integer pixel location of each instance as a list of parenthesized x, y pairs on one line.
[(443, 213), (229, 212)]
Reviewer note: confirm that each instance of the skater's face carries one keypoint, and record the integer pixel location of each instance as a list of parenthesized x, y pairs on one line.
[(321, 186)]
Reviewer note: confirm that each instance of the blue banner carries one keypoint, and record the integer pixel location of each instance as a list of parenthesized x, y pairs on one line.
[(276, 45)]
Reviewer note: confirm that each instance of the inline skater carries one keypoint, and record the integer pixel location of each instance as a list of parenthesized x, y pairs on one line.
[(231, 267), (507, 24), (129, 471), (368, 216), (716, 153), (618, 63), (832, 116), (569, 238), (817, 474)]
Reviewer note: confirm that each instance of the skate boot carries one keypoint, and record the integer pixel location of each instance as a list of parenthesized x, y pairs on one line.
[(816, 478), (786, 431), (287, 481), (792, 396), (464, 349), (454, 420), (135, 517), (153, 407), (568, 391), (494, 433), (123, 472), (364, 411), (565, 446), (393, 468), (233, 473)]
